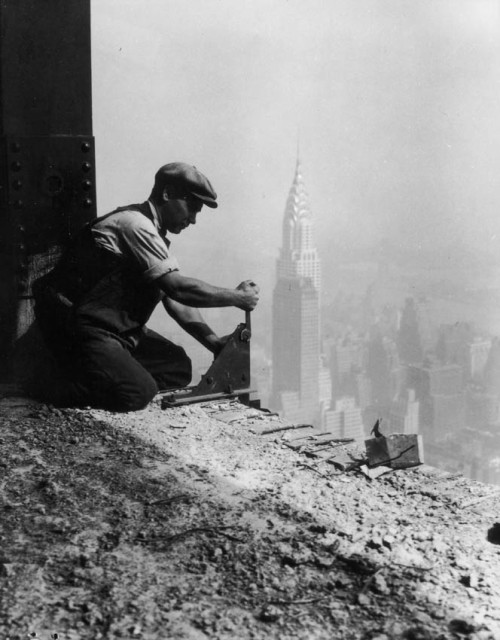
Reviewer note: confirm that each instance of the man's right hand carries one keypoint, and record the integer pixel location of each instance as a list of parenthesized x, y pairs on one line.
[(249, 292)]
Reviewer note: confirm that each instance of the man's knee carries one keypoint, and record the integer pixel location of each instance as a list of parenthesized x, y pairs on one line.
[(133, 396), (174, 371)]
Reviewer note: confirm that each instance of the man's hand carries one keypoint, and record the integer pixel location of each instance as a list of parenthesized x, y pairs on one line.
[(249, 295)]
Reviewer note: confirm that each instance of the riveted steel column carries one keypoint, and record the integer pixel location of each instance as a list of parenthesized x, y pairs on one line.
[(47, 160)]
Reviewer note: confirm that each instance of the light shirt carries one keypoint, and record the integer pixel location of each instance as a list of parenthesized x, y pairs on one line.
[(131, 234)]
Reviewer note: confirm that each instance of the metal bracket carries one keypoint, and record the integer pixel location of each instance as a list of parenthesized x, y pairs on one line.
[(227, 377)]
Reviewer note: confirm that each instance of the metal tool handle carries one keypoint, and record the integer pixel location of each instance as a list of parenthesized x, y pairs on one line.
[(247, 331)]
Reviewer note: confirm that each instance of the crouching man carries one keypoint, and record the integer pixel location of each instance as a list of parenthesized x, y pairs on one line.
[(92, 308)]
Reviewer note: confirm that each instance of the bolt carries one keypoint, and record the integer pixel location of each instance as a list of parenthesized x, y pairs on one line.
[(87, 203), (16, 166), (85, 147), (17, 184), (86, 185), (15, 147), (86, 167)]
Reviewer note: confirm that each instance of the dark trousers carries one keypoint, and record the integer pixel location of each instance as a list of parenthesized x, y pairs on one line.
[(99, 369)]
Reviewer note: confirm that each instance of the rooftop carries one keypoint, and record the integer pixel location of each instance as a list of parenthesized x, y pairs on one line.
[(193, 523)]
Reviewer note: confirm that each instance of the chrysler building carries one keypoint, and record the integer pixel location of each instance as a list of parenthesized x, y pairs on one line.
[(296, 343)]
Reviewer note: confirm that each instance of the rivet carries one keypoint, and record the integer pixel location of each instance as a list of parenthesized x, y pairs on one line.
[(18, 204), (17, 184), (16, 166), (15, 147), (85, 147), (87, 203), (87, 185), (86, 167)]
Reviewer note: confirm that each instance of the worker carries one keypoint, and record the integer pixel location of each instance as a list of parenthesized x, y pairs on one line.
[(92, 308)]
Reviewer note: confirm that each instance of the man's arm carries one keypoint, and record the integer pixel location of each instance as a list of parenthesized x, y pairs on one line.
[(197, 293), (191, 320)]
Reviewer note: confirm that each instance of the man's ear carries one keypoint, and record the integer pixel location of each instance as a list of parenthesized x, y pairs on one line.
[(164, 195)]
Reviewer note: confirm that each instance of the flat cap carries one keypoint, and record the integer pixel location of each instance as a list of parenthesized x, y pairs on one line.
[(186, 179)]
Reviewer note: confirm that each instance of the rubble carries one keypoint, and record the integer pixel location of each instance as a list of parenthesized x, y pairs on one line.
[(397, 451), (193, 523)]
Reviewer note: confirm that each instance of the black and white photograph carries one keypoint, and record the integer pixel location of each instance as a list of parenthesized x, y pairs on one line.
[(250, 320)]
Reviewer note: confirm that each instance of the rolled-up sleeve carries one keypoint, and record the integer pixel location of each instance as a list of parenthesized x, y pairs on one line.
[(131, 234)]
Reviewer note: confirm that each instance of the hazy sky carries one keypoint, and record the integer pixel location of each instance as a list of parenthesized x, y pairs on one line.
[(396, 104)]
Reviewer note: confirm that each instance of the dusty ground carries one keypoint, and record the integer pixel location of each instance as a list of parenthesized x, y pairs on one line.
[(190, 523)]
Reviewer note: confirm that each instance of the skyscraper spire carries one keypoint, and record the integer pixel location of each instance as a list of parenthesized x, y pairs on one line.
[(298, 256)]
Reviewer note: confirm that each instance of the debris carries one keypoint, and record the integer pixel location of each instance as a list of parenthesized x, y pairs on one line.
[(363, 599), (309, 437), (398, 451), (318, 443), (388, 541), (307, 466), (178, 498), (287, 428), (231, 416), (463, 627), (471, 503), (188, 532), (374, 473), (379, 585), (177, 425), (470, 580), (494, 534), (307, 601), (344, 462), (376, 431), (293, 447), (269, 614)]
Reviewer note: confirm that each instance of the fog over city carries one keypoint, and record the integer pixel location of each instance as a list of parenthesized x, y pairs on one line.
[(391, 106)]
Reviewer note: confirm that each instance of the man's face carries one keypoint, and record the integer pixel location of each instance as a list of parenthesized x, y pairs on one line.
[(178, 212)]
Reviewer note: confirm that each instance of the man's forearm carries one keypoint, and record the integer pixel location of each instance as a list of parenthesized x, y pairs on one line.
[(191, 320), (196, 293)]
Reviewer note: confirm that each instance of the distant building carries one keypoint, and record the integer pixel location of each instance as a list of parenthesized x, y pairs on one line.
[(363, 390), (440, 392), (404, 413), (478, 353), (345, 420), (298, 255), (482, 408), (492, 368), (296, 341), (409, 343), (453, 344), (378, 370), (426, 327), (347, 360), (325, 387)]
